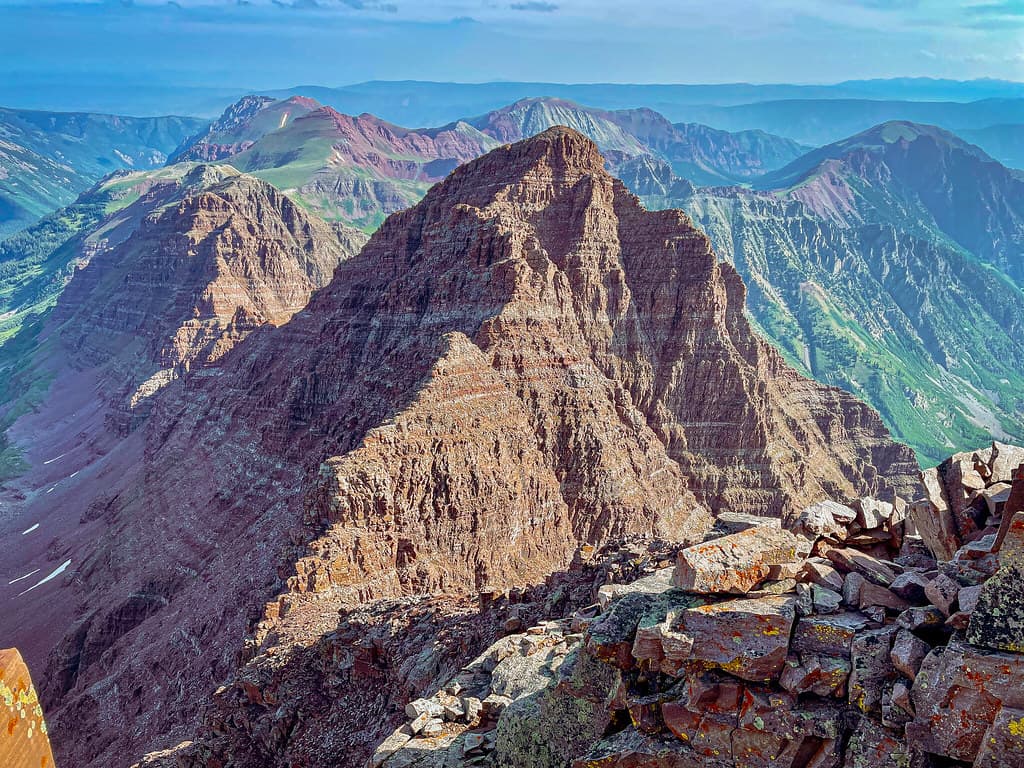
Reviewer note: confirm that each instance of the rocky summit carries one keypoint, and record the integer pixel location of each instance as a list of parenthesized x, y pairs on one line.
[(522, 371), (859, 649)]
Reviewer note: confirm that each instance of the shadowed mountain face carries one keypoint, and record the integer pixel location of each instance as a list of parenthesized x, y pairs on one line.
[(47, 158), (351, 453), (164, 286)]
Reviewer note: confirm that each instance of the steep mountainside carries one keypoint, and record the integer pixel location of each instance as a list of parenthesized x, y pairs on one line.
[(47, 158), (351, 454), (243, 124), (873, 266), (173, 281), (358, 169), (921, 178), (700, 154)]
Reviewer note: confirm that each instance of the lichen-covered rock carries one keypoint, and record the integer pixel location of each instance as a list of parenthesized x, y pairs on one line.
[(871, 668), (748, 638), (998, 618), (830, 636), (958, 693), (547, 730), (1003, 743), (24, 741), (737, 563)]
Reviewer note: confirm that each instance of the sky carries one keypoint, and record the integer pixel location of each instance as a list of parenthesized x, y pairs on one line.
[(262, 44)]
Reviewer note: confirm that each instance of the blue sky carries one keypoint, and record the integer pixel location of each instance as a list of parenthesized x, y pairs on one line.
[(276, 43)]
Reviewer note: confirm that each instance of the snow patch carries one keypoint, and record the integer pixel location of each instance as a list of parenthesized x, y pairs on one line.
[(30, 573), (56, 572)]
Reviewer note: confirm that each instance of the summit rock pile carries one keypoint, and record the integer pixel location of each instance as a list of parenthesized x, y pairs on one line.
[(850, 645)]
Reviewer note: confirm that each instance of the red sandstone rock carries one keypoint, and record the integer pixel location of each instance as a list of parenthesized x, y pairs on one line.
[(736, 563)]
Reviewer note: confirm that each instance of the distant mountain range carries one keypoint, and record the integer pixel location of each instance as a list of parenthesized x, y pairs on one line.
[(875, 263), (48, 158), (418, 103)]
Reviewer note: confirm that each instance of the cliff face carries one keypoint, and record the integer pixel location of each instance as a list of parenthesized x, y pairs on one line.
[(525, 362), (224, 255), (175, 279)]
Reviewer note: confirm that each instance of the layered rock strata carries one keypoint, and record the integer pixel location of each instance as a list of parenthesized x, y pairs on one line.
[(525, 362)]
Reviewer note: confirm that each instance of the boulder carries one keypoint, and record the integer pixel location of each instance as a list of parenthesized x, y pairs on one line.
[(872, 595), (933, 518), (871, 568), (825, 518), (910, 586), (994, 497), (871, 668), (958, 694), (748, 638), (872, 513), (968, 598), (819, 571), (908, 652), (828, 635), (24, 740), (737, 563), (820, 675), (1003, 744), (871, 746), (825, 600), (942, 592), (1005, 460), (998, 618)]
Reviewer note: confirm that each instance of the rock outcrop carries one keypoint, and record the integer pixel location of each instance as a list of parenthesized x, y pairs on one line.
[(524, 363), (882, 674), (24, 742)]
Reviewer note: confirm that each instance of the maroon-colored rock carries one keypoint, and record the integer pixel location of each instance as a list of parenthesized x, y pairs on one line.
[(942, 592), (908, 651), (830, 636), (748, 638), (874, 595), (933, 518), (871, 568), (820, 675), (958, 694), (871, 668)]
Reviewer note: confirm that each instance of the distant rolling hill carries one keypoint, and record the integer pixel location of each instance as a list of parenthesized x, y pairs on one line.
[(359, 169), (48, 158)]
